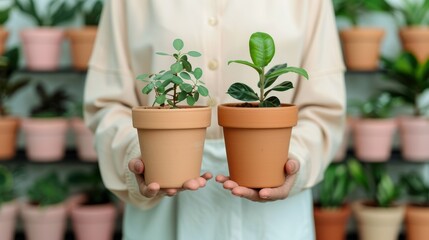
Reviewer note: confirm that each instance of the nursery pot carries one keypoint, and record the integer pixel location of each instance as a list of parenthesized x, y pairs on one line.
[(416, 41), (414, 136), (82, 42), (93, 221), (84, 140), (257, 142), (417, 222), (45, 138), (171, 142), (375, 223), (8, 212), (4, 34), (8, 133), (331, 224), (44, 223), (361, 47), (342, 151), (373, 139), (42, 48)]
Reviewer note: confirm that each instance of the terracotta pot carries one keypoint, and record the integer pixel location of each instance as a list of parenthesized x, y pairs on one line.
[(416, 41), (42, 48), (417, 222), (45, 139), (82, 42), (4, 34), (47, 223), (361, 47), (84, 140), (171, 142), (8, 212), (375, 223), (342, 151), (93, 221), (373, 139), (331, 224), (8, 134), (257, 142), (414, 135)]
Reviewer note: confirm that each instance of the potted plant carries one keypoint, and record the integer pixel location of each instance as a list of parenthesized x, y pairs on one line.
[(171, 165), (82, 39), (42, 45), (8, 88), (93, 214), (373, 131), (46, 128), (342, 151), (8, 207), (254, 128), (361, 45), (417, 211), (4, 34), (378, 217), (331, 213), (45, 213), (412, 80), (84, 138)]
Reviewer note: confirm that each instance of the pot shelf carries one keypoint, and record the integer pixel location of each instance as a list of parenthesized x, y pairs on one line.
[(70, 157), (61, 70), (396, 158)]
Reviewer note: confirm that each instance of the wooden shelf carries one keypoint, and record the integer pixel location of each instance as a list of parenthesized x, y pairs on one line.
[(61, 70), (70, 157)]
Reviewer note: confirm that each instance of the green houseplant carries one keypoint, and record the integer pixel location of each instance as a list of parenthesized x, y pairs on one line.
[(379, 217), (373, 131), (361, 45), (8, 88), (42, 45), (417, 212), (4, 34), (82, 39), (46, 128), (93, 214), (8, 208), (263, 118), (412, 80), (169, 88), (45, 208)]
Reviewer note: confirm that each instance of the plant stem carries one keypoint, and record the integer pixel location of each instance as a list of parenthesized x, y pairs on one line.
[(174, 95), (262, 87)]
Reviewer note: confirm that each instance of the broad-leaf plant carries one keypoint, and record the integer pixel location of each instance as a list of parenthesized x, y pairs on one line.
[(415, 186), (6, 185), (352, 9), (262, 50), (379, 106), (335, 187), (50, 104), (92, 15), (47, 190)]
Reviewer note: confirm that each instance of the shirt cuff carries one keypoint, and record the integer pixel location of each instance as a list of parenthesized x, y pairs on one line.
[(301, 156)]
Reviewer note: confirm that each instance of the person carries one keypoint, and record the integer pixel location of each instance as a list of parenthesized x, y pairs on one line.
[(131, 31)]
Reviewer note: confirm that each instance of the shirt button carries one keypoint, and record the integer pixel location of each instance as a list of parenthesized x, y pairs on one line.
[(213, 64), (212, 21)]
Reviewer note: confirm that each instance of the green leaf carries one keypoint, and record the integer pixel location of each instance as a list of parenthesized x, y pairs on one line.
[(194, 54), (258, 69), (167, 75), (162, 54), (262, 48), (282, 71), (142, 77), (181, 96), (198, 72), (190, 100), (176, 67), (196, 96), (269, 81), (270, 102), (357, 173), (148, 88), (177, 80), (160, 99), (284, 86), (186, 87), (185, 75), (186, 65), (203, 91), (241, 91), (178, 44)]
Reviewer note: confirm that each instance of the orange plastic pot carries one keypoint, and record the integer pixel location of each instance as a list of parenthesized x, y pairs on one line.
[(331, 224), (257, 142), (417, 222), (415, 40), (82, 43), (4, 34), (8, 133)]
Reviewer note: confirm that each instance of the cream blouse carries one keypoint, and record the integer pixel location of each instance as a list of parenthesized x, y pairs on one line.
[(131, 32)]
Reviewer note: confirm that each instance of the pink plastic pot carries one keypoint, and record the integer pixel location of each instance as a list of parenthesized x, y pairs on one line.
[(373, 139), (8, 212), (42, 47), (342, 151), (414, 135), (45, 138), (84, 140)]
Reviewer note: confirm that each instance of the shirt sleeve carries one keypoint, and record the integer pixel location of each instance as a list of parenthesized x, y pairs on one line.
[(109, 96), (321, 100)]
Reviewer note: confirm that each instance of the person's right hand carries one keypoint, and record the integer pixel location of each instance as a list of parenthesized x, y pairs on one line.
[(153, 189)]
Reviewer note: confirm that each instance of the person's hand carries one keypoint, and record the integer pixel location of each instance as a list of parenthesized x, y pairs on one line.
[(153, 189), (264, 194)]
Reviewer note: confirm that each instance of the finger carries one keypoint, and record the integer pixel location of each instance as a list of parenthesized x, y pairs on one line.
[(136, 166), (244, 192), (282, 192), (207, 176), (229, 184), (292, 167), (191, 184), (171, 191), (221, 178), (150, 190)]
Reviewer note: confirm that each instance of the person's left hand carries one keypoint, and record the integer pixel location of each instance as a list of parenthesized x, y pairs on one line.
[(264, 194)]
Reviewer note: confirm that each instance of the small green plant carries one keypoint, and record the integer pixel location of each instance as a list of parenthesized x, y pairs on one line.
[(379, 106), (58, 12), (411, 77), (414, 13), (92, 15), (352, 9), (375, 181), (52, 104), (4, 15), (416, 187), (92, 186), (262, 50), (47, 190), (180, 82), (8, 88), (335, 187), (6, 185)]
